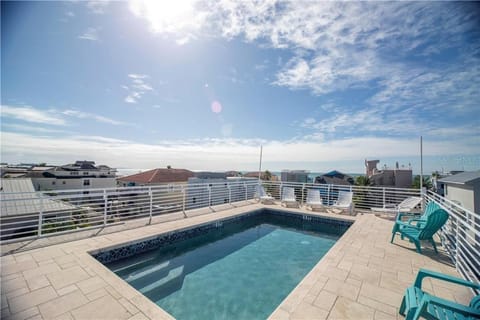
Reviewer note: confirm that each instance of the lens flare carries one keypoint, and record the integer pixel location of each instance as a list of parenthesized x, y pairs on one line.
[(216, 107)]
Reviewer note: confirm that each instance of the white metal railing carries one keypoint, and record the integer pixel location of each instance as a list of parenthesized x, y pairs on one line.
[(364, 197), (460, 237), (30, 215), (35, 214)]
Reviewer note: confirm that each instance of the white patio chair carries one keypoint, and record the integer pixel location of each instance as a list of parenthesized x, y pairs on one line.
[(288, 197), (263, 197), (344, 203), (407, 206), (314, 200)]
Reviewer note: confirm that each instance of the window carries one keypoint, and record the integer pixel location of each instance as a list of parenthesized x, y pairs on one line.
[(64, 182), (86, 182), (74, 173), (85, 173), (54, 182)]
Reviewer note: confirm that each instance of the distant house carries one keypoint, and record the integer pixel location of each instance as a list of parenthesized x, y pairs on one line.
[(463, 188), (263, 175), (398, 177), (78, 175), (335, 177), (157, 176)]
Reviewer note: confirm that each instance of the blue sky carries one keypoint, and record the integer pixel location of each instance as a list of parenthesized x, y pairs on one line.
[(201, 85)]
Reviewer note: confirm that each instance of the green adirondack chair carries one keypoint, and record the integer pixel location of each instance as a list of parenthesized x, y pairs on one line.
[(416, 303), (424, 231), (413, 219)]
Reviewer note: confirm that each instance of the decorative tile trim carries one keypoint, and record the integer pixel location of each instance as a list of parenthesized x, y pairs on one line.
[(108, 255)]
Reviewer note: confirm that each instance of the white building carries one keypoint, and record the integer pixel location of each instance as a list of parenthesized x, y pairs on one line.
[(463, 188), (398, 177), (80, 175)]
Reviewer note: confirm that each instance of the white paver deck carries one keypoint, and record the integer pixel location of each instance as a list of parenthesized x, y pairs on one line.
[(362, 277)]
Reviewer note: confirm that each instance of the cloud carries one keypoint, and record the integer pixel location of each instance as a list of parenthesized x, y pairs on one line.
[(137, 88), (50, 117), (97, 7), (90, 34), (86, 115), (223, 154), (30, 114)]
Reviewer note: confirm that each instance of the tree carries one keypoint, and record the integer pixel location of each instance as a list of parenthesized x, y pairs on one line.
[(267, 175), (362, 181), (426, 182)]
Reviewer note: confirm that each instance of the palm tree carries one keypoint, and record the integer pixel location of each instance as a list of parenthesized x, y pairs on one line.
[(426, 182), (267, 175), (362, 181)]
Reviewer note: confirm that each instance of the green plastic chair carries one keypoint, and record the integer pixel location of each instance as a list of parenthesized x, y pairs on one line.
[(417, 303), (414, 218), (425, 231)]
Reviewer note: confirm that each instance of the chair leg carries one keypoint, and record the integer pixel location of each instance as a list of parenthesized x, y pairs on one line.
[(393, 236), (418, 246), (434, 245), (402, 307)]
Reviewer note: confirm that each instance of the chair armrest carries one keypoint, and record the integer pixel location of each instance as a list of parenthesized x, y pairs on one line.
[(408, 225), (428, 299), (424, 273), (402, 215)]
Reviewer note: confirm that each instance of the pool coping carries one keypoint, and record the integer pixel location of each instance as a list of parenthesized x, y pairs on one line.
[(65, 281)]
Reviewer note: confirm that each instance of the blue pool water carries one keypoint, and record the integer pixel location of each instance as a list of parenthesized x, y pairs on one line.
[(240, 271)]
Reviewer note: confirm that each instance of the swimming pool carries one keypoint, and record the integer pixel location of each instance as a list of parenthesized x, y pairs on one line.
[(238, 268)]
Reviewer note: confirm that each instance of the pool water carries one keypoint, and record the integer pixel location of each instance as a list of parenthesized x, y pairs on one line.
[(240, 271)]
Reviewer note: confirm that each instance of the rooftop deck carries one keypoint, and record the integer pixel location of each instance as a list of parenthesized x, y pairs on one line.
[(362, 277)]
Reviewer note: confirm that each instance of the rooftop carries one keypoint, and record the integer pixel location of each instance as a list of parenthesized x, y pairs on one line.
[(362, 276), (469, 177)]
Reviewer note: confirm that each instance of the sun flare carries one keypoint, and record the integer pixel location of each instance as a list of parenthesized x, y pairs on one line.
[(166, 16)]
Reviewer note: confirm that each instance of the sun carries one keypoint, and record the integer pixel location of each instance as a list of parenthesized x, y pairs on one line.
[(166, 16)]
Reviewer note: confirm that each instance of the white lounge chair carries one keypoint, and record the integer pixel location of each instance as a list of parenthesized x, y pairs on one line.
[(288, 197), (344, 203), (314, 200), (407, 205), (263, 197)]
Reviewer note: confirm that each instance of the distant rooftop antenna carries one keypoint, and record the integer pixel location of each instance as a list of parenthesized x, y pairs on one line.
[(260, 166), (421, 165)]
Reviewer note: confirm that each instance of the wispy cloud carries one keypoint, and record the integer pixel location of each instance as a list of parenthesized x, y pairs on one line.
[(51, 116), (90, 34), (137, 88), (30, 114), (220, 154), (85, 115), (97, 7)]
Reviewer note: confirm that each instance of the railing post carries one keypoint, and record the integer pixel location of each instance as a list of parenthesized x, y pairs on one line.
[(383, 190), (303, 192), (229, 194), (105, 203), (150, 209), (183, 204), (40, 216), (281, 190), (246, 191), (209, 196), (328, 195)]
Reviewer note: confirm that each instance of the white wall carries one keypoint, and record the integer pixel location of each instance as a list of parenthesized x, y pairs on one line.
[(461, 193), (45, 184)]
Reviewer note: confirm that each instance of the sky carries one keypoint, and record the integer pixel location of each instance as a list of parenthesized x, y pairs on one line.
[(203, 84)]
